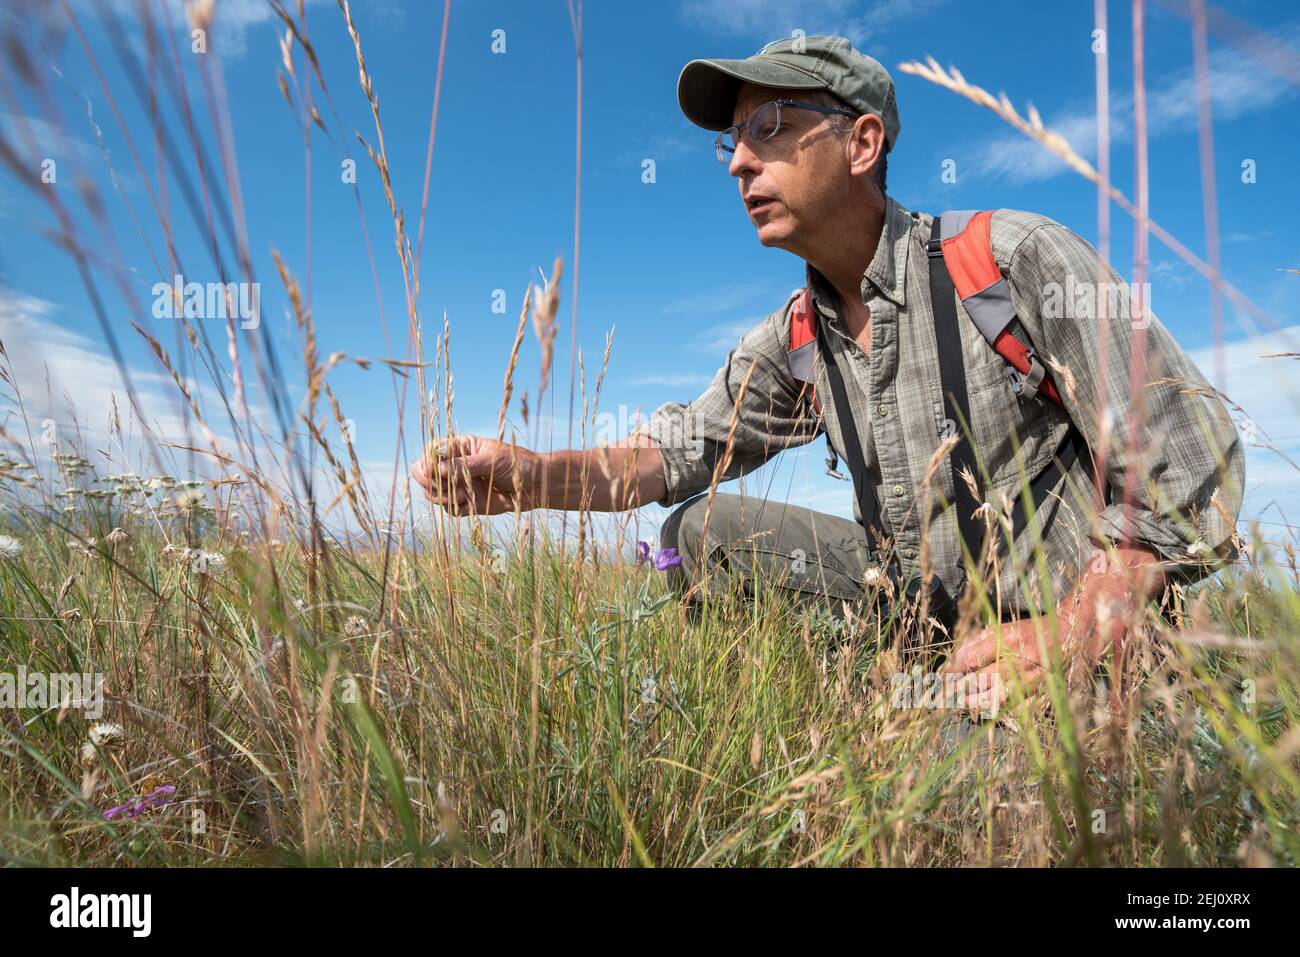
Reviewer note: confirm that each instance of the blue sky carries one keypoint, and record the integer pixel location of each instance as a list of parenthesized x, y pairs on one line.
[(672, 266)]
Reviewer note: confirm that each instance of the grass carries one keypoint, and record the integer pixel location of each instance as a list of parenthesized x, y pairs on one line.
[(463, 697), (538, 710)]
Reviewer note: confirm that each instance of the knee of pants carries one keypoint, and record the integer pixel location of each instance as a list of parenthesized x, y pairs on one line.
[(684, 531)]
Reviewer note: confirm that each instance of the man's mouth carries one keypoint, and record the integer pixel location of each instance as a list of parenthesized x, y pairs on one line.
[(755, 205)]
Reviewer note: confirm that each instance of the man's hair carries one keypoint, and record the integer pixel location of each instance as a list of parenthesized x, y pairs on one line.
[(827, 98)]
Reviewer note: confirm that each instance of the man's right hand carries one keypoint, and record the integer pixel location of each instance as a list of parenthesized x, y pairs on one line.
[(470, 475)]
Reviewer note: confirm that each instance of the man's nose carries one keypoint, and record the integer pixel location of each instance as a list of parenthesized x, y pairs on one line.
[(743, 159)]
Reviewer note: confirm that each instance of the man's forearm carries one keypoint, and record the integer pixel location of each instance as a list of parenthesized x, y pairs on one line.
[(1140, 567), (605, 479), (1133, 574)]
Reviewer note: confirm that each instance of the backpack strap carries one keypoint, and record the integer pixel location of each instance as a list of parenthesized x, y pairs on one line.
[(863, 487), (803, 344), (954, 407), (961, 246), (800, 350), (964, 239)]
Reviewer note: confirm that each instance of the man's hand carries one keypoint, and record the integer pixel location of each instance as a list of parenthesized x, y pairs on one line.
[(474, 476), (1095, 617)]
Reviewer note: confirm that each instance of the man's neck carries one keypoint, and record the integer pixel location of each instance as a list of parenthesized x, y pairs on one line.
[(844, 258)]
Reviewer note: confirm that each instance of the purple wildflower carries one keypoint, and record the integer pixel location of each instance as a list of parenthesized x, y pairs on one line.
[(642, 552), (138, 805), (667, 558)]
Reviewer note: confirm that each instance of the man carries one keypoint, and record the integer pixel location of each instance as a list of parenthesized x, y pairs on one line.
[(807, 124)]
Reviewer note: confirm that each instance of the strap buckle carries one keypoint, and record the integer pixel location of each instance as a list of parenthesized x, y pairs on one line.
[(833, 460), (1025, 384), (934, 248)]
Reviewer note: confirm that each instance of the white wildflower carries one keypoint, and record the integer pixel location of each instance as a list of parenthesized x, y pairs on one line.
[(89, 755), (106, 735), (191, 500), (207, 563), (10, 548)]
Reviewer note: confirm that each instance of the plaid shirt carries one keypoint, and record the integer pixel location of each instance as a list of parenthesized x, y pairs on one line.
[(1186, 452)]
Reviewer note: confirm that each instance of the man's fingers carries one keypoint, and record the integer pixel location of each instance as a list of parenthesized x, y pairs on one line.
[(420, 473), (983, 648), (474, 499), (972, 652), (989, 688), (475, 465)]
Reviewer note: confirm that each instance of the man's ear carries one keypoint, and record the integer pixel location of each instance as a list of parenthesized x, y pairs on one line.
[(866, 143)]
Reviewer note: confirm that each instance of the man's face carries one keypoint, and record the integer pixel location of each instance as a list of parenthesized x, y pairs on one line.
[(790, 184)]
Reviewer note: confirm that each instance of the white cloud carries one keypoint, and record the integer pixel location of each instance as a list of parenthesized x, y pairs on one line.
[(672, 381), (1265, 389), (1237, 89), (772, 19), (37, 139), (232, 19), (71, 380), (62, 375), (723, 337)]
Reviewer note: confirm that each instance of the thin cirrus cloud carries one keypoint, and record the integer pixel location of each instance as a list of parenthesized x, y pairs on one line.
[(680, 380), (722, 337), (768, 19), (231, 19), (63, 376), (1239, 87), (723, 299)]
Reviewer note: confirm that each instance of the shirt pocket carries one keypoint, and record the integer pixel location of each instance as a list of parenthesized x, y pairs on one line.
[(1012, 434)]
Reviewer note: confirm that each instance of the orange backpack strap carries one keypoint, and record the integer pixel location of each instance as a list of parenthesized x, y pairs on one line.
[(968, 253), (965, 249), (803, 344)]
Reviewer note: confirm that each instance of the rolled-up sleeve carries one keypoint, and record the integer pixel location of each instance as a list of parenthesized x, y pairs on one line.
[(735, 425), (1172, 443)]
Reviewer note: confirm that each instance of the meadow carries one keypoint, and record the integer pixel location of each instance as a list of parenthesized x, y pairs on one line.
[(429, 689)]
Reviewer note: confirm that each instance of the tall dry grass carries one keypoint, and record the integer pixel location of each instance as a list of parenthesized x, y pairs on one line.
[(460, 692)]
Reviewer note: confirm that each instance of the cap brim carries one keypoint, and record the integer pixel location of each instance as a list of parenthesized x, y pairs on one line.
[(707, 89)]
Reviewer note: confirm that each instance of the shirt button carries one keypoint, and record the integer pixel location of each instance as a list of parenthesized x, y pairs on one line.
[(909, 553), (898, 490), (882, 410)]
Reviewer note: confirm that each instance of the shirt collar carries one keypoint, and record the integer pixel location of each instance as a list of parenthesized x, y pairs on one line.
[(887, 271)]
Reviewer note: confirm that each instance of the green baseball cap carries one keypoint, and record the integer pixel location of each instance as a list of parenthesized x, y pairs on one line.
[(707, 89)]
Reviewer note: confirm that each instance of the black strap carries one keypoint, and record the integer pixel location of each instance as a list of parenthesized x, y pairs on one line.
[(863, 487), (956, 402), (953, 381), (1073, 447)]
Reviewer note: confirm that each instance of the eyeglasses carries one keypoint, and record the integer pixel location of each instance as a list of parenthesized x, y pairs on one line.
[(765, 122)]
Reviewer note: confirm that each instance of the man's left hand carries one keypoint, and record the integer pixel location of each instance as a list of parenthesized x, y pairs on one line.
[(1095, 617)]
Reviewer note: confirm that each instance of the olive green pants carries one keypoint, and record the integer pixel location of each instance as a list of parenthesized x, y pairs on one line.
[(818, 558)]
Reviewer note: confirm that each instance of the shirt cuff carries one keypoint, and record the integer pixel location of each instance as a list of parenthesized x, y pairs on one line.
[(1190, 560), (685, 468)]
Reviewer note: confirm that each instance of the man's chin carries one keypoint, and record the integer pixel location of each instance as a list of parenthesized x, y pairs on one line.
[(772, 235)]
